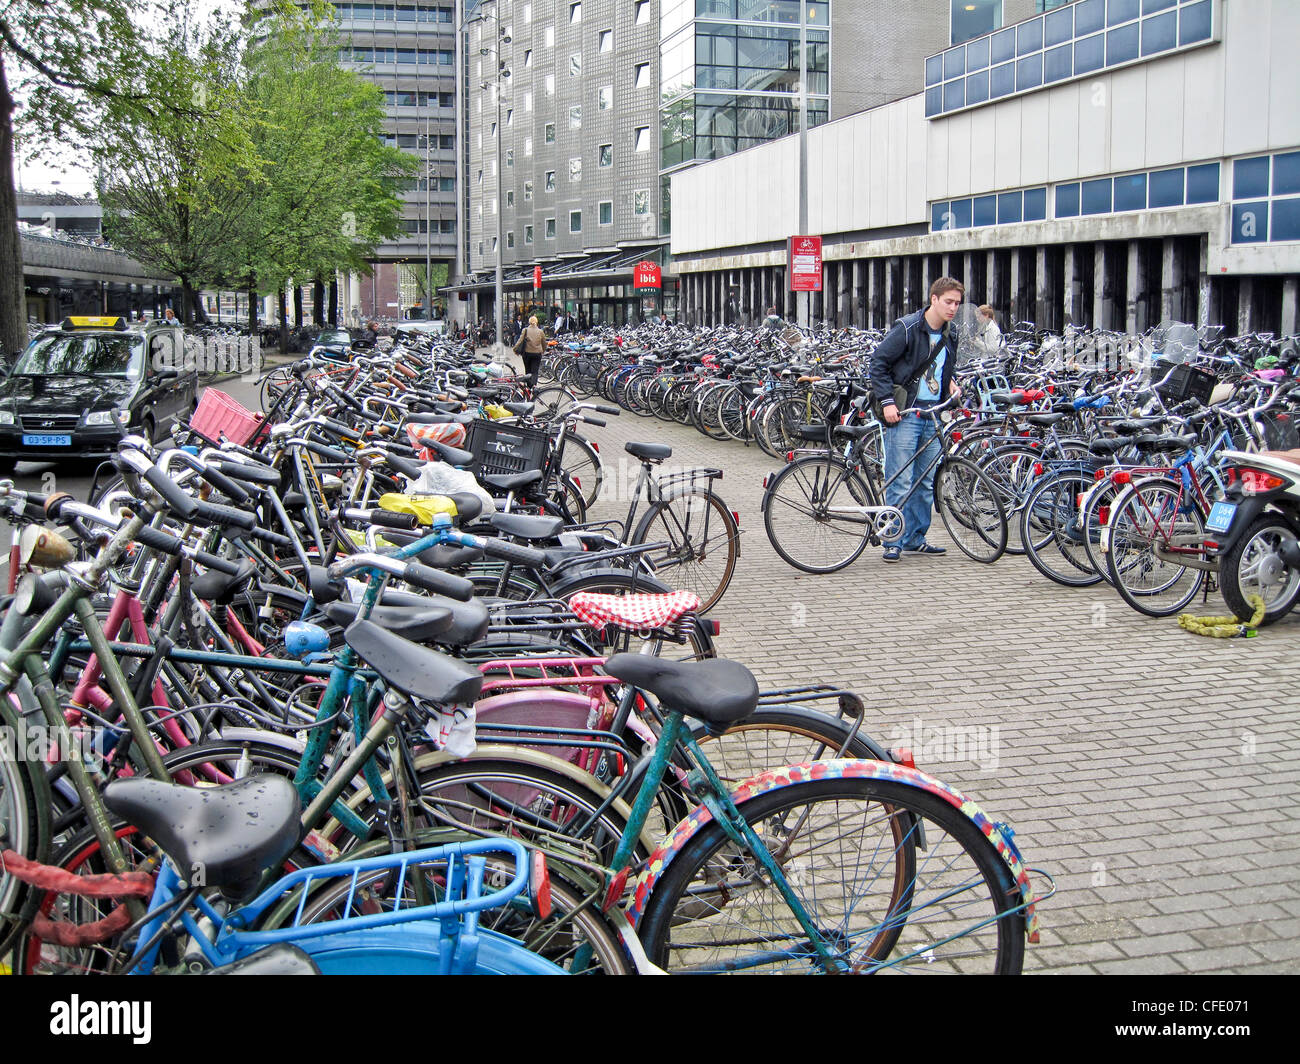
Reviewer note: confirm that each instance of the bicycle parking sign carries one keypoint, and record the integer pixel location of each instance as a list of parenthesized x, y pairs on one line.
[(804, 254)]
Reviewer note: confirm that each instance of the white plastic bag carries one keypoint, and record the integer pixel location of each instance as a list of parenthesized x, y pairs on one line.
[(440, 478)]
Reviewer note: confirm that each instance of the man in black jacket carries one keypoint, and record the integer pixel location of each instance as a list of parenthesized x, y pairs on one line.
[(919, 354)]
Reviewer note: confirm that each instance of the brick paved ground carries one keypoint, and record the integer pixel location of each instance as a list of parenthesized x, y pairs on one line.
[(1154, 773)]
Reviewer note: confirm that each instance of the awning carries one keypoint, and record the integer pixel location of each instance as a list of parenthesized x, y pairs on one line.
[(605, 267)]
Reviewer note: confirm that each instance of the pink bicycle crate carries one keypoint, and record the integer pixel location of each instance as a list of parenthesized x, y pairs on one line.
[(220, 415)]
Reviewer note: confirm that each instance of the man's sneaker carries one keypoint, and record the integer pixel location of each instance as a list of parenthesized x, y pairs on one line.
[(891, 554), (925, 548)]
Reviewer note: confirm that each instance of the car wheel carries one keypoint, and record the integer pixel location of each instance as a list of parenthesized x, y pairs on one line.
[(147, 429)]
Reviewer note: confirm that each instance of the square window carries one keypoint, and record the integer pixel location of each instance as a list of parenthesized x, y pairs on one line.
[(641, 201), (1090, 54), (575, 14), (1067, 201), (575, 66), (1089, 16), (1250, 177), (1029, 72), (641, 13), (1194, 23), (1159, 33), (575, 221), (1203, 183), (1002, 46), (1010, 205), (954, 62), (1095, 196), (940, 218), (1165, 188), (1118, 11), (606, 40), (1029, 36), (934, 70), (605, 97), (985, 210), (933, 100), (977, 87), (954, 94), (575, 117), (1122, 45), (528, 234), (1131, 193), (641, 138), (606, 213), (1250, 222), (528, 191), (1286, 219), (550, 228), (642, 76), (1286, 173), (575, 169), (1056, 63), (961, 214), (1149, 6), (977, 54), (548, 133), (1002, 80), (550, 181), (606, 155), (1058, 27), (1035, 204)]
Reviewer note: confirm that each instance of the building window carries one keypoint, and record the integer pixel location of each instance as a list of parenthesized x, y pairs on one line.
[(528, 191), (528, 234), (575, 66), (642, 138), (494, 245), (510, 197), (575, 221), (641, 13), (575, 14), (549, 37), (510, 240), (550, 84), (606, 212), (605, 97), (480, 176), (528, 145), (528, 58), (974, 18), (528, 101), (510, 118), (528, 12), (548, 133), (575, 117), (510, 157), (642, 76), (606, 155), (575, 169), (641, 201), (550, 228), (550, 181), (606, 40)]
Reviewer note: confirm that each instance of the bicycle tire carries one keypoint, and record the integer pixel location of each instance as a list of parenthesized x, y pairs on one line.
[(1052, 533), (970, 506), (698, 527), (958, 867), (1254, 556), (798, 514), (1012, 467), (583, 463), (1152, 585)]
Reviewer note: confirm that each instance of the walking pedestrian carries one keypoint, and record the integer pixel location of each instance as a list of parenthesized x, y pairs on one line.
[(913, 366), (773, 319), (531, 346), (990, 336)]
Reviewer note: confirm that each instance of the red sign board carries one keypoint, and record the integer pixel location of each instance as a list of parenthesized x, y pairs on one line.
[(647, 275), (804, 255), (537, 278)]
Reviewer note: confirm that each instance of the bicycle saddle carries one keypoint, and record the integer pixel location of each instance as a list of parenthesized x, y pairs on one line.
[(650, 452), (718, 692), (1043, 420), (417, 623), (527, 527), (219, 587), (453, 455), (221, 836), (509, 482), (1107, 446), (469, 620), (414, 669)]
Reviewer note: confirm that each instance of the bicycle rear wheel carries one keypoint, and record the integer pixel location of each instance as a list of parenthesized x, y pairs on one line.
[(703, 543), (971, 508), (1052, 532), (808, 514), (844, 846), (1149, 519)]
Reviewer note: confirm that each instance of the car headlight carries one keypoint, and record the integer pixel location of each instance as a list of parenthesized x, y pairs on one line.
[(6, 418), (100, 417)]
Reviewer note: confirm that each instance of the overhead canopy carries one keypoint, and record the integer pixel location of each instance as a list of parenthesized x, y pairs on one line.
[(604, 267)]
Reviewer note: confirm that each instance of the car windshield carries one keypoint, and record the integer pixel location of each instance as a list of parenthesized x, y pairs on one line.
[(83, 356), (337, 336)]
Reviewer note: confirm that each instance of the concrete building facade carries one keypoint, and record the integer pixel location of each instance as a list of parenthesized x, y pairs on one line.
[(1111, 163)]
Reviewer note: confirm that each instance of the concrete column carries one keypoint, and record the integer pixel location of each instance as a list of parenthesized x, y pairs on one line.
[(908, 294), (1169, 281), (966, 272), (1100, 289), (1203, 285), (1071, 285), (1015, 312), (1136, 286), (1246, 306), (1290, 297), (857, 297), (993, 294), (1043, 294), (890, 288)]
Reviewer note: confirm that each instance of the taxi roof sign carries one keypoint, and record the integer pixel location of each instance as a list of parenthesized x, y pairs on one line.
[(103, 321)]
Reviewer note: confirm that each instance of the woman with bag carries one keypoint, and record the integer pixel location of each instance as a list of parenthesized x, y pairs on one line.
[(531, 346)]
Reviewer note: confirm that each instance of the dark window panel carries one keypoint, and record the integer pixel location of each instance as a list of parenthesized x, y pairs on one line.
[(977, 88), (1286, 173), (1250, 177), (1029, 36), (1149, 6), (977, 54), (1058, 27), (1286, 220), (1203, 183), (1067, 201), (1035, 204), (1122, 45), (934, 70), (1056, 63), (954, 95), (1250, 222), (961, 213), (1159, 33), (1010, 206), (1089, 16), (933, 101), (954, 62), (1194, 23), (985, 210), (1095, 197), (1090, 54), (1002, 80), (1029, 72), (937, 213), (1002, 46), (1166, 188), (1118, 11), (1131, 193)]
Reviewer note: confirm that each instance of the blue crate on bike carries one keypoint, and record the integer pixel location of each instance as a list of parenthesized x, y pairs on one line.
[(505, 449)]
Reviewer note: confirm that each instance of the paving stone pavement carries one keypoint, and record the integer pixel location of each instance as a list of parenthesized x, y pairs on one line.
[(1152, 772)]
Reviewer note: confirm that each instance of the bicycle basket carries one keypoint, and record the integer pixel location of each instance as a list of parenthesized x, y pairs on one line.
[(505, 449), (1280, 431)]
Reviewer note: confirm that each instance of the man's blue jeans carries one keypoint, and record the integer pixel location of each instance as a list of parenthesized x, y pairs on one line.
[(904, 440)]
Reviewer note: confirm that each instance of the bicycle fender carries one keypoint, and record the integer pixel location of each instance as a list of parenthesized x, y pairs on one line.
[(788, 775)]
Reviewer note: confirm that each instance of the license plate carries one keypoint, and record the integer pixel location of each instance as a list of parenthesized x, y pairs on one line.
[(1221, 514), (45, 439)]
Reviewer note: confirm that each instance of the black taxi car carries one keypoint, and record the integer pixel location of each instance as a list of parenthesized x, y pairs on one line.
[(63, 396)]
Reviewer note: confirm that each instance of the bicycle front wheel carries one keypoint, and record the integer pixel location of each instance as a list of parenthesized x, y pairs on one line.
[(849, 851), (811, 515), (1052, 531), (703, 543), (970, 505), (1152, 530)]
